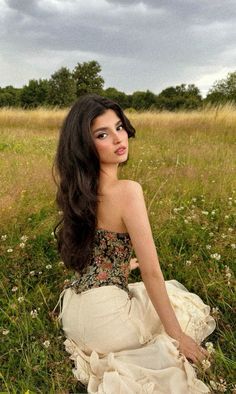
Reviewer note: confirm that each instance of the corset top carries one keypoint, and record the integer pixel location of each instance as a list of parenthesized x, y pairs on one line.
[(109, 264)]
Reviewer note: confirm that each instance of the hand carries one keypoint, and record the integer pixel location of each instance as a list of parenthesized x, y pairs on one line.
[(133, 264), (191, 350)]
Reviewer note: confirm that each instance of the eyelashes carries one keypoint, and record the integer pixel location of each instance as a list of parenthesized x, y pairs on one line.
[(100, 136)]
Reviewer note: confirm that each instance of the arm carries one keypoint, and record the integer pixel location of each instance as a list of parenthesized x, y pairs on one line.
[(137, 223)]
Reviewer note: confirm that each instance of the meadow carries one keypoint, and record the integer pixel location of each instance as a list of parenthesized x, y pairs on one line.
[(186, 163)]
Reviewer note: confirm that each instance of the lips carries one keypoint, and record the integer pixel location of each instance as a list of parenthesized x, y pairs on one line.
[(121, 149)]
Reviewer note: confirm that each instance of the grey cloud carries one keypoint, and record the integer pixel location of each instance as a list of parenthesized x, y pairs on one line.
[(156, 42)]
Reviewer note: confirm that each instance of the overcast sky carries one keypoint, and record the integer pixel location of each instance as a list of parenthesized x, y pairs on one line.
[(140, 45)]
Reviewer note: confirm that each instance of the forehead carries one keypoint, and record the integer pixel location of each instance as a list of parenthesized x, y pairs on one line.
[(109, 117)]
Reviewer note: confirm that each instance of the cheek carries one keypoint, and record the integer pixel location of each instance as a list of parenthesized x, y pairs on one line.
[(102, 146)]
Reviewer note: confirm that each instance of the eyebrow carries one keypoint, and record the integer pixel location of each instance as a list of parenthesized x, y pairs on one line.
[(105, 128)]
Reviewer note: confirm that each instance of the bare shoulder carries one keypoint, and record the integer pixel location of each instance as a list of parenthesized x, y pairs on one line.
[(129, 189)]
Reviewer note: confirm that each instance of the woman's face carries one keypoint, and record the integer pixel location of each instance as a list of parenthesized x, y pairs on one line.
[(110, 138)]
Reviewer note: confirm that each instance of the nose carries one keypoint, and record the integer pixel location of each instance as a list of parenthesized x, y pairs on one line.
[(116, 138)]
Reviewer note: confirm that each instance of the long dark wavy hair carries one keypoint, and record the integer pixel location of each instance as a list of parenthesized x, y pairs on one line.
[(76, 165)]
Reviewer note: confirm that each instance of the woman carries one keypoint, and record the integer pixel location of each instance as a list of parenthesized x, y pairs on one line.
[(123, 338)]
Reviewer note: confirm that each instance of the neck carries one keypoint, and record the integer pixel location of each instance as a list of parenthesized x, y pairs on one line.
[(108, 174)]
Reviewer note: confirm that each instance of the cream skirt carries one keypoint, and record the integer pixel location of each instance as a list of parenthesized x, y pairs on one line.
[(119, 344)]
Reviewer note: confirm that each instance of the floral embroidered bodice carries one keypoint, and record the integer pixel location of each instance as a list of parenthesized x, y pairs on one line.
[(109, 264)]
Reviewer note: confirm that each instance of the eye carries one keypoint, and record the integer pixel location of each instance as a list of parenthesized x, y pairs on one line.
[(101, 136), (120, 127)]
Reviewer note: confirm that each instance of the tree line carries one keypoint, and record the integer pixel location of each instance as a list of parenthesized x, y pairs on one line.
[(65, 86)]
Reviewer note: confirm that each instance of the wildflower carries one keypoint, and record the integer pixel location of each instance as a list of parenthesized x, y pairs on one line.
[(233, 246), (24, 238), (210, 347), (215, 256), (226, 216), (32, 273), (48, 267), (223, 236), (61, 264), (46, 344), (208, 247), (221, 387), (211, 234), (34, 313), (206, 364), (22, 245), (170, 265), (215, 312), (40, 272), (188, 262), (20, 299), (230, 229), (194, 199), (4, 237), (29, 219), (213, 212), (14, 289), (213, 384), (205, 213), (5, 332), (186, 221), (9, 250)]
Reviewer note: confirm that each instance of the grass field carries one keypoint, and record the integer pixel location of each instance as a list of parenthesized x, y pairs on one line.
[(186, 163)]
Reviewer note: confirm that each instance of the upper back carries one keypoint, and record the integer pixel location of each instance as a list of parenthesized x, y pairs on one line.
[(110, 205)]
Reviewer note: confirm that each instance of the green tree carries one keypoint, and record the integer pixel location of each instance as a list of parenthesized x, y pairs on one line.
[(143, 100), (34, 94), (61, 88), (10, 96), (124, 100), (180, 97), (223, 90), (87, 78)]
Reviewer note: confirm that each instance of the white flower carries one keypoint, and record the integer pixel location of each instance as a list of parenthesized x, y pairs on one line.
[(29, 219), (230, 198), (46, 344), (4, 237), (226, 216), (194, 199), (188, 262), (216, 256), (40, 272), (205, 212), (186, 221), (14, 289), (233, 246), (5, 332), (9, 250), (20, 299), (211, 234), (215, 311), (210, 347), (32, 273), (48, 267), (208, 247), (24, 238), (22, 245), (213, 384), (230, 229), (223, 236), (61, 264), (213, 212), (34, 313), (206, 364)]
